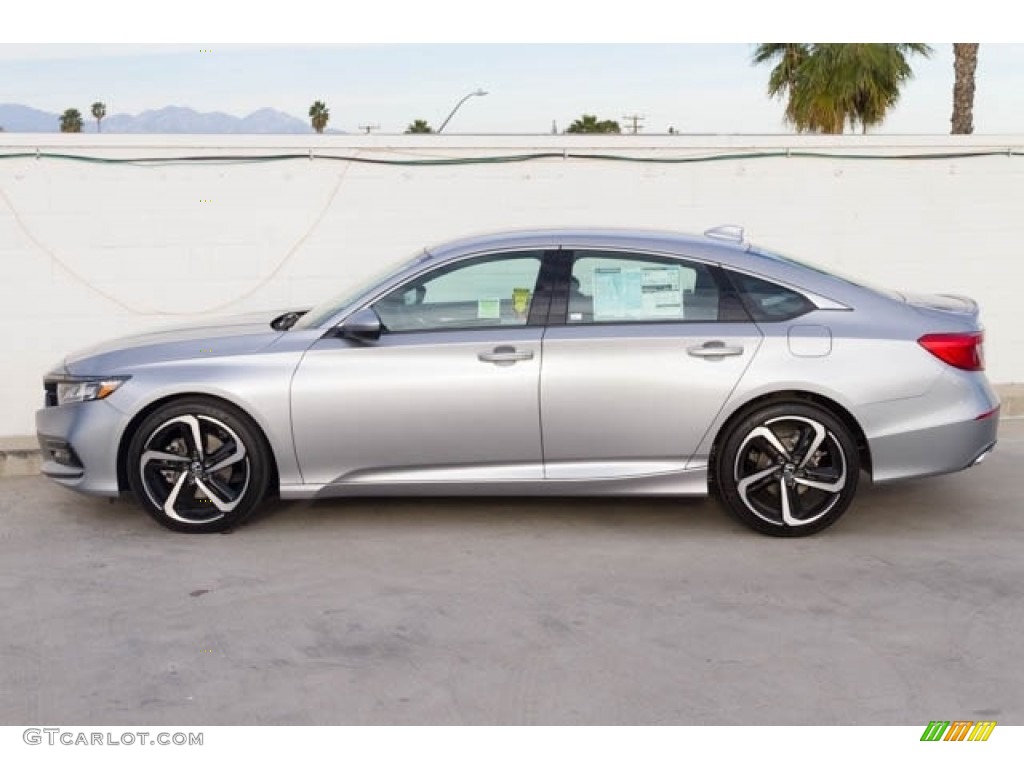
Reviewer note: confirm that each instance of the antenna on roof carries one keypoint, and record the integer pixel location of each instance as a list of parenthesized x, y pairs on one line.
[(732, 232)]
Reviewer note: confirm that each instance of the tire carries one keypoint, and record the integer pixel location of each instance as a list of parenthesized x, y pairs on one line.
[(198, 491), (788, 469)]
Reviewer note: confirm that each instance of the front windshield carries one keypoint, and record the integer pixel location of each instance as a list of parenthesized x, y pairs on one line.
[(326, 309)]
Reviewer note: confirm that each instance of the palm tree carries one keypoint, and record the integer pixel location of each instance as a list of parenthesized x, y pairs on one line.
[(788, 57), (419, 126), (830, 85), (99, 111), (71, 121), (319, 115), (590, 124), (965, 63)]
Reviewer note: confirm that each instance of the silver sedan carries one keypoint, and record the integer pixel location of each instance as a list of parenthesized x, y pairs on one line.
[(555, 362)]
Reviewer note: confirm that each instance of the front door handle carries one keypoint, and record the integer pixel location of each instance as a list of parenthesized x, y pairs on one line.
[(713, 349), (504, 356)]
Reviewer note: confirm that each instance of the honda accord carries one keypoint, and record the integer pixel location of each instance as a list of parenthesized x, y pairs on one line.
[(552, 362)]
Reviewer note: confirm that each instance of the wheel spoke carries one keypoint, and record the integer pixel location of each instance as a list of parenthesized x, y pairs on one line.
[(834, 487), (174, 458), (769, 437), (172, 498), (193, 435), (221, 498), (790, 504), (755, 481), (819, 437), (222, 451), (236, 456), (197, 435)]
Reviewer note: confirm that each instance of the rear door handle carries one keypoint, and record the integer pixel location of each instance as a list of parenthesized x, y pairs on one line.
[(504, 356), (713, 349)]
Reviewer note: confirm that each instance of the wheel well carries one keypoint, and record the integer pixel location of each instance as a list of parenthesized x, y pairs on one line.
[(789, 396), (129, 432)]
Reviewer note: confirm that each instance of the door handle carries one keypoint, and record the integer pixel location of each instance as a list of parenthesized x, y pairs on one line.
[(713, 349), (504, 356)]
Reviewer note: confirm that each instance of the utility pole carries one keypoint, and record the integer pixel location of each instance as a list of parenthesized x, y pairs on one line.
[(370, 127), (636, 120)]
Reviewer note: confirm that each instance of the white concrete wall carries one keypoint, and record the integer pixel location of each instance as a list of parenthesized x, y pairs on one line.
[(90, 251)]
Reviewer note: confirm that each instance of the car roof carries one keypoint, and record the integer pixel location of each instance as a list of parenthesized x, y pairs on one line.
[(698, 246)]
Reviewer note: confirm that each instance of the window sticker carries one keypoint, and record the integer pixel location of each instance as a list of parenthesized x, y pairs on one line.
[(662, 292), (488, 309), (638, 293), (617, 292)]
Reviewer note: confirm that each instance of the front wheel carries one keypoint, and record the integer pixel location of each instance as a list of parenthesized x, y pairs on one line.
[(198, 466), (789, 469)]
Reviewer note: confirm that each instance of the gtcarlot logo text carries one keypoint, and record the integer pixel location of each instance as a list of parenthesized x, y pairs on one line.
[(55, 736)]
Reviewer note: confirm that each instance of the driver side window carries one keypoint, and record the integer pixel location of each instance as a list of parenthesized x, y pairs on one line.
[(485, 292)]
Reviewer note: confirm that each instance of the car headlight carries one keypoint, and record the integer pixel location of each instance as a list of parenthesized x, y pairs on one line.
[(72, 389)]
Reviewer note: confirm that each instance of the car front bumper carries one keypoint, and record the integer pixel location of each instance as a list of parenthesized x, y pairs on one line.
[(79, 444)]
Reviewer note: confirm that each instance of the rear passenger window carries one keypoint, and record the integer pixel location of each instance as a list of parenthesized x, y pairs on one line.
[(621, 288), (767, 302)]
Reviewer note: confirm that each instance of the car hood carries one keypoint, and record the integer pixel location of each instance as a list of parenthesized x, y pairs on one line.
[(237, 335)]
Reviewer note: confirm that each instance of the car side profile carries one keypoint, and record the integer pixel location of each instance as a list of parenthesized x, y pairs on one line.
[(546, 362)]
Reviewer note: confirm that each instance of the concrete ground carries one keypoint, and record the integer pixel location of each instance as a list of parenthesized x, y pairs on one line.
[(518, 611)]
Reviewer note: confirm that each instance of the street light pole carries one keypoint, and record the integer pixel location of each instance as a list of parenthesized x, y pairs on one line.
[(463, 100)]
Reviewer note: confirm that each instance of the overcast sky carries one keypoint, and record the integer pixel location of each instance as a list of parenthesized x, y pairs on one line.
[(697, 87)]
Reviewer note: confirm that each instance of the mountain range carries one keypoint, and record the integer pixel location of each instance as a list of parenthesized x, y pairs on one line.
[(18, 118)]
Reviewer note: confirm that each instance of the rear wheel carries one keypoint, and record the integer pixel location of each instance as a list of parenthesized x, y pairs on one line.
[(198, 466), (789, 469)]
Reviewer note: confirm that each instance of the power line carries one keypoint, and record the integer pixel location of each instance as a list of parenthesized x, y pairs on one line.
[(636, 120), (227, 159)]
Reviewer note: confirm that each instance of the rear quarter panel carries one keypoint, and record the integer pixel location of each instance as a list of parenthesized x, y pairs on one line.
[(874, 369)]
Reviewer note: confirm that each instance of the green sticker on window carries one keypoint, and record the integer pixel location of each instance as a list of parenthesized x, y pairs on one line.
[(488, 309)]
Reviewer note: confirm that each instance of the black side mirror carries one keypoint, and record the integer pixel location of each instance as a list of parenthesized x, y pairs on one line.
[(363, 326)]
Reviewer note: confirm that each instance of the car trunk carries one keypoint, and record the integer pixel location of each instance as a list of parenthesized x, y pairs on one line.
[(946, 302)]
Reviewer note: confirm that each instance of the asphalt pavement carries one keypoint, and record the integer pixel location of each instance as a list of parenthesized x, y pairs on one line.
[(518, 611)]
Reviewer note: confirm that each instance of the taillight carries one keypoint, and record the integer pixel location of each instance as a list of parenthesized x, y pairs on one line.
[(961, 350)]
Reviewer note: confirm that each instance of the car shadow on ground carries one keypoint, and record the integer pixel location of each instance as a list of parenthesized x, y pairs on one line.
[(938, 503), (557, 512)]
